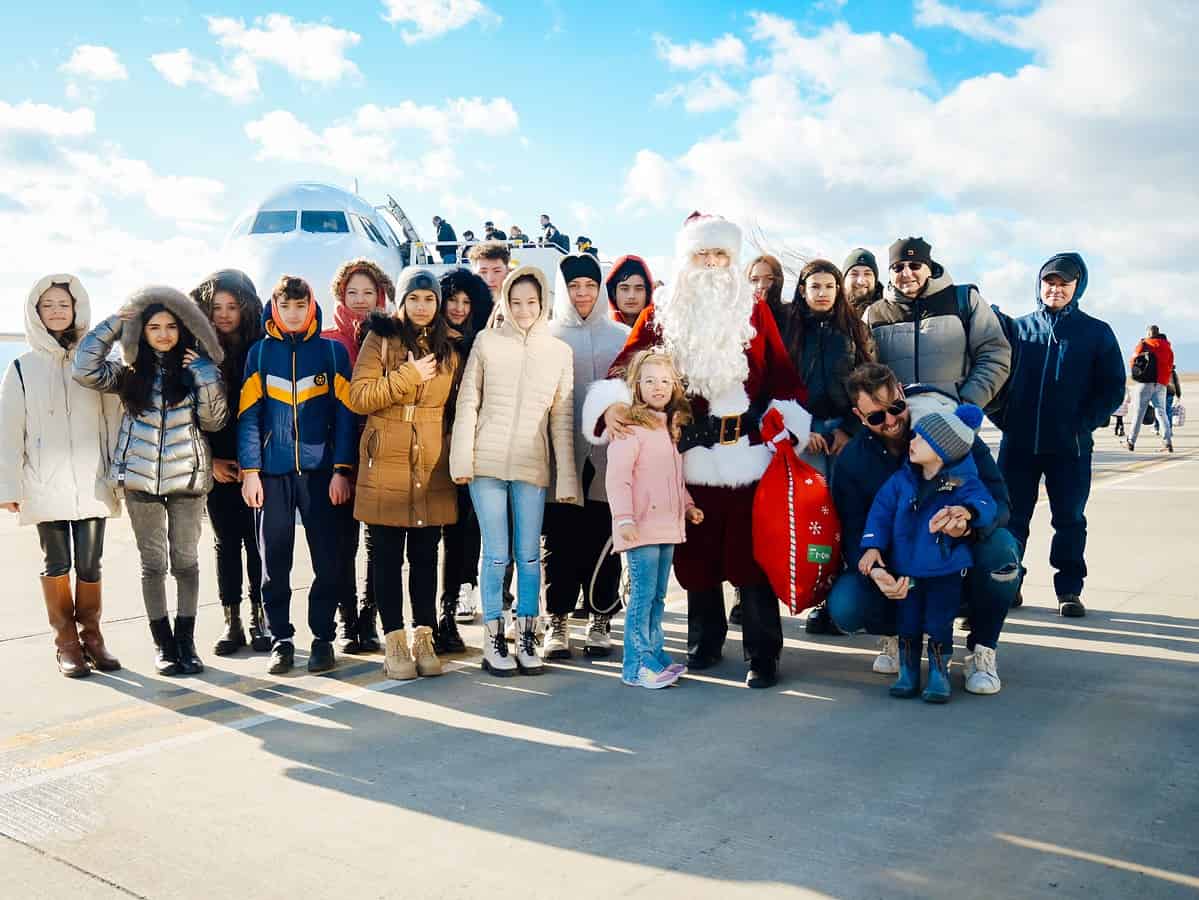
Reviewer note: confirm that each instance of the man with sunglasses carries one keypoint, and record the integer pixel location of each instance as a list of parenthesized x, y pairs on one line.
[(856, 602), (932, 331)]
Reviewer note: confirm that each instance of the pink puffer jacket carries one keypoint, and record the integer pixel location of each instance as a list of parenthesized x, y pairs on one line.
[(645, 486)]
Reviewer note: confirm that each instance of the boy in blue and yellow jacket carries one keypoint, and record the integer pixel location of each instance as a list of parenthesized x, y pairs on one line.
[(296, 450), (908, 521)]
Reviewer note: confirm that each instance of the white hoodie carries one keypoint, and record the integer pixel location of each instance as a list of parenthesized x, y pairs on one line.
[(55, 434)]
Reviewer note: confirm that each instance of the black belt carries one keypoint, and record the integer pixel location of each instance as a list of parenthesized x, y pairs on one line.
[(708, 431)]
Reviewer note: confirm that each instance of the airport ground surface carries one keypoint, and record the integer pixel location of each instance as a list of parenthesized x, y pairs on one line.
[(1078, 780)]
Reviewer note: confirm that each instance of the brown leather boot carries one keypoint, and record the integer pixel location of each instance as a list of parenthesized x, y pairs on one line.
[(60, 610), (87, 614)]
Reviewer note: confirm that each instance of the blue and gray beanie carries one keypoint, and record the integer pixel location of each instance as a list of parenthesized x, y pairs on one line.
[(951, 435)]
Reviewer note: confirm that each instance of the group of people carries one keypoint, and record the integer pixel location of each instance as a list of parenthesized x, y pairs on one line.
[(447, 243), (510, 425)]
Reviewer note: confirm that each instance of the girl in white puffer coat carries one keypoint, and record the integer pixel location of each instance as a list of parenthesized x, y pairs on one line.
[(55, 448)]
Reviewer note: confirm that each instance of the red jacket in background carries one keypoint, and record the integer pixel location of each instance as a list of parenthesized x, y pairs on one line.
[(1162, 352)]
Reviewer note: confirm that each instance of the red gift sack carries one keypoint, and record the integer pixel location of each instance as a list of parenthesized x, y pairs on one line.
[(797, 535)]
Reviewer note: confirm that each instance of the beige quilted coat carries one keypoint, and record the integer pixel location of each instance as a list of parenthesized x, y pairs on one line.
[(515, 400)]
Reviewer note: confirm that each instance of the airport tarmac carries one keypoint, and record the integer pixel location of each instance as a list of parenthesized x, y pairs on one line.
[(1078, 780)]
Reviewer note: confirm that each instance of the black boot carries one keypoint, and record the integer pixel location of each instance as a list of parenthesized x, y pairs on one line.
[(706, 628), (446, 638), (368, 629), (260, 639), (819, 621), (234, 637), (166, 659), (347, 630), (185, 643), (763, 673)]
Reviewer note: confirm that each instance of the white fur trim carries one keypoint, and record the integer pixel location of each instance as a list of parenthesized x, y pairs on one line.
[(797, 419), (600, 396), (731, 402), (709, 233), (726, 465)]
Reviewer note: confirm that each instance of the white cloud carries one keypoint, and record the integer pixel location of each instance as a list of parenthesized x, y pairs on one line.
[(844, 138), (582, 215), (707, 93), (95, 63), (433, 18), (41, 119), (491, 117), (726, 51), (978, 25), (310, 52), (307, 51), (181, 68)]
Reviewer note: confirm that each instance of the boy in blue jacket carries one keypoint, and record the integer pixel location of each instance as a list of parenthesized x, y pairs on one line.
[(908, 520), (296, 450)]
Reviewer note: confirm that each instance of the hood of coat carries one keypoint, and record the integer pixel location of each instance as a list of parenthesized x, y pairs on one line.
[(189, 314), (934, 284), (621, 269), (389, 325), (273, 330), (547, 297), (481, 304), (1082, 280), (564, 311), (239, 286), (36, 333)]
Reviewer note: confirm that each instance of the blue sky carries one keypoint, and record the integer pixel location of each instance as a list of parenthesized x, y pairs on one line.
[(1000, 130)]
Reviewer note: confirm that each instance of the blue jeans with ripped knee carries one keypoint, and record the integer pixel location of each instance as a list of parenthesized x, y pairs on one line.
[(491, 497)]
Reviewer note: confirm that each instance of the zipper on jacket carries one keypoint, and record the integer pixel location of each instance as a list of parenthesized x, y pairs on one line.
[(162, 433), (70, 437), (520, 393), (916, 341), (1036, 438), (295, 410)]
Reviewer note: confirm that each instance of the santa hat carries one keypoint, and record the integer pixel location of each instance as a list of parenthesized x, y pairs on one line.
[(951, 435), (705, 232)]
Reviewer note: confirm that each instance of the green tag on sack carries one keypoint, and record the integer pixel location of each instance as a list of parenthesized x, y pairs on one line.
[(819, 553)]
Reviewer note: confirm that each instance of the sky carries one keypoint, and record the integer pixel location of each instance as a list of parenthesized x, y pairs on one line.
[(132, 136)]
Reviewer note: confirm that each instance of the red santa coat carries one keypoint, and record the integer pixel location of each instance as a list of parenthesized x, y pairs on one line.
[(721, 478)]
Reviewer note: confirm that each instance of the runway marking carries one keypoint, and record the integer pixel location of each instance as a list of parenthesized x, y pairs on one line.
[(1163, 874), (1155, 624), (1088, 629)]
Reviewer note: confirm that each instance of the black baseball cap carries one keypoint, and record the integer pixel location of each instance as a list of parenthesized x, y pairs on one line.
[(1062, 266)]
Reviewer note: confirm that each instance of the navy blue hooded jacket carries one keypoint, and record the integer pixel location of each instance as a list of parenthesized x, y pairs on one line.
[(1067, 376)]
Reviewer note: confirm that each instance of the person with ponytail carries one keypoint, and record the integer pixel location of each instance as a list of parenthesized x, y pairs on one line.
[(230, 301), (171, 391), (55, 444)]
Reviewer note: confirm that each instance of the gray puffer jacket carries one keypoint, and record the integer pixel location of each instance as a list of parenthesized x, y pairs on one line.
[(162, 451), (971, 364)]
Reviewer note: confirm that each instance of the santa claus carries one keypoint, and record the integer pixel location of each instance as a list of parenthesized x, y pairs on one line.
[(727, 346)]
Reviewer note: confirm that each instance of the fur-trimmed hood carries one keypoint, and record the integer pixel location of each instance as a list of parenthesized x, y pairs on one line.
[(237, 284), (387, 325), (36, 334), (189, 314)]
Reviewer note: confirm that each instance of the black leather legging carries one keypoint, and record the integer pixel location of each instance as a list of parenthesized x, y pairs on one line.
[(87, 536)]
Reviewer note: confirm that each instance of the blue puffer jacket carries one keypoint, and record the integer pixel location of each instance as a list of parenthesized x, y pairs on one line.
[(293, 415), (1067, 378), (898, 522)]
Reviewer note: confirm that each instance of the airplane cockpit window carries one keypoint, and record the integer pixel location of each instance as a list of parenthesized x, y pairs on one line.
[(372, 231), (324, 221), (274, 222)]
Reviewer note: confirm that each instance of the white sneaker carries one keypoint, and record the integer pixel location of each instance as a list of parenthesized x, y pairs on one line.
[(468, 604), (599, 637), (982, 676), (556, 643), (887, 661), (653, 680)]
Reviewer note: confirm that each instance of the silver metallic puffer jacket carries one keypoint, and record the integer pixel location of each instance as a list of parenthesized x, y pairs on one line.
[(162, 451)]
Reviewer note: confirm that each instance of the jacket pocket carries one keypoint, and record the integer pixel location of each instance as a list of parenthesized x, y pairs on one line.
[(371, 440)]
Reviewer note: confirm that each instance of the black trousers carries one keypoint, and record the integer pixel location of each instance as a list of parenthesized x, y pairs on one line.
[(460, 565), (389, 543), (761, 623), (349, 532), (233, 531), (576, 539), (57, 538)]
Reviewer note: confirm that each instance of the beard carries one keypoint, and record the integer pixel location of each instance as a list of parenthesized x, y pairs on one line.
[(706, 327)]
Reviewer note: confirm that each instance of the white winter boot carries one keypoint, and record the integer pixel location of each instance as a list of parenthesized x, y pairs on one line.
[(496, 658), (527, 659), (556, 642), (599, 638)]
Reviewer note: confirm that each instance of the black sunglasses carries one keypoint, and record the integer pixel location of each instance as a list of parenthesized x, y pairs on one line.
[(900, 266), (879, 416)]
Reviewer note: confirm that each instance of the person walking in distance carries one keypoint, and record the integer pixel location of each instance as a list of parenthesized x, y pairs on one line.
[(1152, 362)]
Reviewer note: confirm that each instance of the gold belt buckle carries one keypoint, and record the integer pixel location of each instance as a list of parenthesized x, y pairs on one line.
[(724, 420), (409, 412)]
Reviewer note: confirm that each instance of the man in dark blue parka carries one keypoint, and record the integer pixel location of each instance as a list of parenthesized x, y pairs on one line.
[(1067, 378)]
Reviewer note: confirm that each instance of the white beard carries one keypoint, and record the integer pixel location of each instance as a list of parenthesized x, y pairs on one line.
[(706, 327)]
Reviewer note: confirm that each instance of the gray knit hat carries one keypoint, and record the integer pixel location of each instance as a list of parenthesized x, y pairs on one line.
[(951, 435)]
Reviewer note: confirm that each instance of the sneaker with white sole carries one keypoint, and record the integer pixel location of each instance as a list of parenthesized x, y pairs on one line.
[(556, 643), (887, 661), (982, 675), (653, 680), (468, 604), (599, 638)]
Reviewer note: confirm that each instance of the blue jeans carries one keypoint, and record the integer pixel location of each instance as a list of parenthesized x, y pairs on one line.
[(1142, 396), (1068, 485), (855, 604), (929, 609), (490, 497), (649, 574)]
